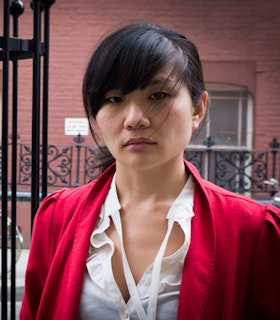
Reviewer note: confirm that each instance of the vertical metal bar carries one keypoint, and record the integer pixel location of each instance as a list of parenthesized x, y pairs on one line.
[(79, 140), (14, 174), (241, 177), (208, 143), (36, 111), (78, 159), (45, 103), (4, 182), (274, 150), (16, 9)]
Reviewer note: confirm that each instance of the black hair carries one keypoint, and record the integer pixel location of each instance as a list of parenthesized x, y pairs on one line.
[(131, 56)]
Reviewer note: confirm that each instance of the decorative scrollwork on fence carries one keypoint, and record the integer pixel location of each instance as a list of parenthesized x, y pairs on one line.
[(59, 166), (195, 157), (92, 164), (241, 171), (25, 165)]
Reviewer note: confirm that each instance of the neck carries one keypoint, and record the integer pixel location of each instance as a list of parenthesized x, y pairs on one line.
[(161, 183)]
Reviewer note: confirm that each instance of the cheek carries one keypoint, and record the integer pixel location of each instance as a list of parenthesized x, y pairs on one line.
[(181, 118), (109, 128), (95, 127), (102, 125)]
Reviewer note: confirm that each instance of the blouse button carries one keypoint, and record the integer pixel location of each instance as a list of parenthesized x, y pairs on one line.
[(125, 314)]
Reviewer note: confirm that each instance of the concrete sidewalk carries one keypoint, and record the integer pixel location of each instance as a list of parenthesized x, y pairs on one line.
[(20, 267), (20, 273)]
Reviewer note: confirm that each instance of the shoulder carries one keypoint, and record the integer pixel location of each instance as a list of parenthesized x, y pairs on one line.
[(60, 208), (71, 194), (62, 211), (71, 204), (226, 203), (240, 211), (217, 192), (77, 197), (229, 198), (66, 197)]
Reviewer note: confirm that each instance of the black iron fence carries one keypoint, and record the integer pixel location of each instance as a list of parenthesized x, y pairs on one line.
[(13, 50), (240, 171)]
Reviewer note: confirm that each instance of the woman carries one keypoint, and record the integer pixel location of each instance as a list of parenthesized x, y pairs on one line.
[(150, 239)]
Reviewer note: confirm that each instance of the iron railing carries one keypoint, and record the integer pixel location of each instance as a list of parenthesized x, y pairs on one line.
[(241, 171), (12, 50)]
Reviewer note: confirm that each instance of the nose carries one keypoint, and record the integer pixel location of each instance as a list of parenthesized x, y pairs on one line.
[(136, 117)]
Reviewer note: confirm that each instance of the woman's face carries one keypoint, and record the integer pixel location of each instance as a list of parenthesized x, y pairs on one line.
[(151, 126)]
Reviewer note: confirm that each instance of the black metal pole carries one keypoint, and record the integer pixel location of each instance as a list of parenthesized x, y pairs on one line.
[(14, 171), (36, 111), (45, 103), (16, 9), (47, 4), (4, 182), (274, 150), (79, 140), (14, 49), (209, 143)]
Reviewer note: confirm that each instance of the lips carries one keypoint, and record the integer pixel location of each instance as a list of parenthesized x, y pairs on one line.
[(139, 141)]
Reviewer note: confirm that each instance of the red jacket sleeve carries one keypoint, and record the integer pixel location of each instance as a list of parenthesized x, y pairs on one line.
[(40, 258), (265, 280), (59, 249)]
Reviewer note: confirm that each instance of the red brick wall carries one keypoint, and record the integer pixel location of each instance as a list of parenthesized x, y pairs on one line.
[(239, 43), (226, 32)]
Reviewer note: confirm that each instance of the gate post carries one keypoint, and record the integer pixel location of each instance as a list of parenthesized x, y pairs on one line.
[(15, 49)]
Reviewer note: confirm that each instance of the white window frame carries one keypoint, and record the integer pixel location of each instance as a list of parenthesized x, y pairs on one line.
[(214, 87)]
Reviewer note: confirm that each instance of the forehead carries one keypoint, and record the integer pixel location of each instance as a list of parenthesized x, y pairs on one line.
[(165, 76)]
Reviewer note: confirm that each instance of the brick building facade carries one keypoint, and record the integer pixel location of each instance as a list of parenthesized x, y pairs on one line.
[(238, 41)]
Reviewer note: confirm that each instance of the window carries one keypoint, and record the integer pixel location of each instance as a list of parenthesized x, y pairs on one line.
[(229, 123), (228, 130)]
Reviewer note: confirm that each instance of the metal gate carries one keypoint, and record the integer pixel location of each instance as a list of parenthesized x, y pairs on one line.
[(12, 50)]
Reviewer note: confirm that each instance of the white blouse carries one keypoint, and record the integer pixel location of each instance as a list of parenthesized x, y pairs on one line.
[(156, 294)]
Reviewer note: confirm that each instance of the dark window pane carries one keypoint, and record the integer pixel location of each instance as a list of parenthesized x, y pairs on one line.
[(228, 118), (224, 121)]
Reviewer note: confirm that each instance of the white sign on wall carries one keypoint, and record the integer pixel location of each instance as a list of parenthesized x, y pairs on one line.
[(75, 126)]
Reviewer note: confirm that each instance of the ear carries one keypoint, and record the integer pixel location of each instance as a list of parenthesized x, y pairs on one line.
[(199, 111)]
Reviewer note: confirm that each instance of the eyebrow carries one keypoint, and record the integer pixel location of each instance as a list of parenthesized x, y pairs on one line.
[(161, 80)]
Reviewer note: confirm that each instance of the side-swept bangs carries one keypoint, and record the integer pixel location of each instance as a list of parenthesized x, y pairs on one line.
[(128, 59)]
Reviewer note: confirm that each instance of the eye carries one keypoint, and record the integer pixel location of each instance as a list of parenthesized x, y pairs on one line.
[(158, 95), (112, 100)]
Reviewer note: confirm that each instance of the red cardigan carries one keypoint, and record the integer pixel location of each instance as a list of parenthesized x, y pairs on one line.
[(231, 271)]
